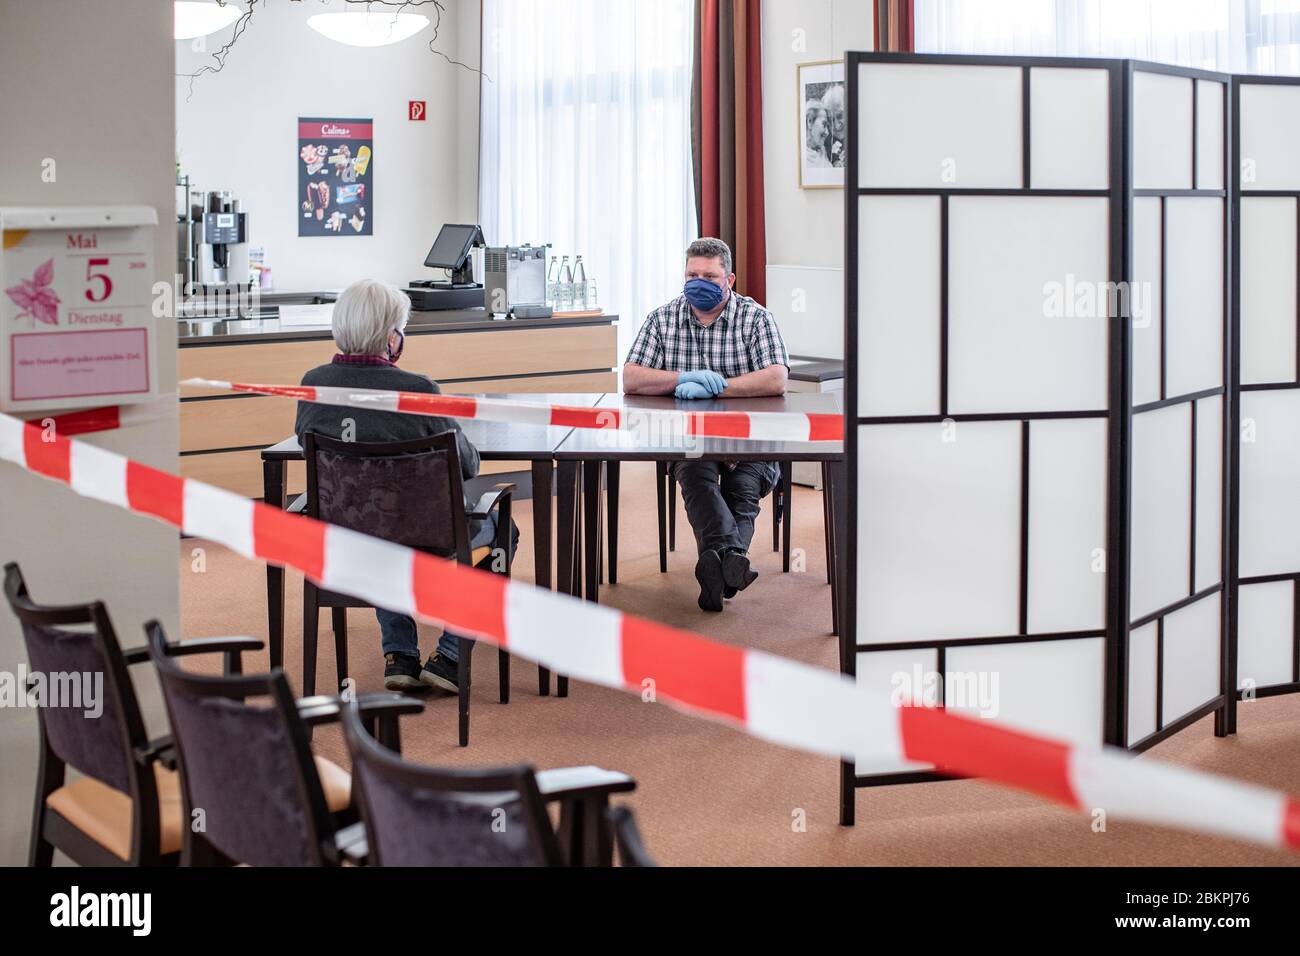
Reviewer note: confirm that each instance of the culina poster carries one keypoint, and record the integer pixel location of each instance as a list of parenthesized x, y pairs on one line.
[(336, 183)]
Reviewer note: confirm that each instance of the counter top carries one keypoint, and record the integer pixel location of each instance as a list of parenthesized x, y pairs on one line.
[(266, 328)]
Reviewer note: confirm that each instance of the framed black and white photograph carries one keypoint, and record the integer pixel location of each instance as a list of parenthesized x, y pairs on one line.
[(823, 144)]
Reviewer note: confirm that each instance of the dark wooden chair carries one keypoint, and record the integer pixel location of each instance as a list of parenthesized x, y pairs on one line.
[(627, 837), (426, 816), (251, 788), (126, 809), (410, 493)]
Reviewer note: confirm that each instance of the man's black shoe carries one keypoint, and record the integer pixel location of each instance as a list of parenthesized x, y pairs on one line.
[(708, 571), (401, 671), (440, 672), (736, 571)]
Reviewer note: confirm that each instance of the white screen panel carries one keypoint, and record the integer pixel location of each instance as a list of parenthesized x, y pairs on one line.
[(1141, 683), (1026, 303), (1067, 525), (898, 305), (935, 125), (890, 672), (1069, 128), (1145, 299), (1270, 477), (1161, 508), (1048, 687), (1209, 492), (1270, 137), (1162, 131), (1268, 289), (1209, 134), (938, 530), (1191, 658), (1265, 635), (1194, 287)]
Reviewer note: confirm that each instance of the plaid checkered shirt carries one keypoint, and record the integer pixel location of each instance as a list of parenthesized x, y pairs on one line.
[(743, 338)]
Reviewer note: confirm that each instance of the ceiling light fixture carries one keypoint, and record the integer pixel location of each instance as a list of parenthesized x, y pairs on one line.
[(364, 28), (198, 19)]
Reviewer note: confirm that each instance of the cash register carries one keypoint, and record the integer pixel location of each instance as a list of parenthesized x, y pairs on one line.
[(452, 250)]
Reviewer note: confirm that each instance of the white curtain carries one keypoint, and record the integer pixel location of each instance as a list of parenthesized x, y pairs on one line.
[(586, 141), (1238, 36)]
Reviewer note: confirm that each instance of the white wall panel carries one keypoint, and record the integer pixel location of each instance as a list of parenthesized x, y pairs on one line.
[(1268, 289), (1069, 128), (1161, 508), (887, 672), (1067, 525), (1050, 687), (1141, 682), (1023, 332), (1162, 131), (1145, 299), (1194, 292), (1265, 634), (1209, 134), (898, 305), (1209, 492), (1191, 660), (939, 125), (1270, 137), (938, 531), (1270, 482)]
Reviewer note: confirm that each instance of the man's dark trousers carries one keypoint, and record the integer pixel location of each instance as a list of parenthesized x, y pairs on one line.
[(722, 502)]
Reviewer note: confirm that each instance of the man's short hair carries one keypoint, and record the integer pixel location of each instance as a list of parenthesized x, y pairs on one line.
[(710, 248)]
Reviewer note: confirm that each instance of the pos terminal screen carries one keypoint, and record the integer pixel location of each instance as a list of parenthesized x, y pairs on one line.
[(451, 247)]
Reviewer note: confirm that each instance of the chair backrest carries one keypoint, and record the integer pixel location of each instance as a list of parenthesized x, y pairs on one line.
[(75, 651), (423, 816), (245, 764), (407, 492)]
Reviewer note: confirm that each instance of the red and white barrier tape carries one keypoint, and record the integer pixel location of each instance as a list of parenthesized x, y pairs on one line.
[(767, 696), (754, 426)]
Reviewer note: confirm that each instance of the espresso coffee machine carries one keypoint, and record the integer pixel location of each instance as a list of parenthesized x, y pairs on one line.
[(515, 281), (220, 242)]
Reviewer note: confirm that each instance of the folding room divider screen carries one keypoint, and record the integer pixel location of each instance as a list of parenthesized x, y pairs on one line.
[(1037, 301), (1266, 580)]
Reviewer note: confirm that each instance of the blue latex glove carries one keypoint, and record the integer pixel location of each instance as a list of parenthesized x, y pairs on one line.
[(692, 390), (710, 379)]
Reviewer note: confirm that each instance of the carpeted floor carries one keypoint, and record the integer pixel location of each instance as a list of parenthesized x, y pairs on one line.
[(711, 795)]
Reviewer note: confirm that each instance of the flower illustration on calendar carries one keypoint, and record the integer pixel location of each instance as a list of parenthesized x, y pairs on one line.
[(34, 296)]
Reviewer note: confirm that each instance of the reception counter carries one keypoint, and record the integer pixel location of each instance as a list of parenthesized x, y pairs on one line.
[(465, 351)]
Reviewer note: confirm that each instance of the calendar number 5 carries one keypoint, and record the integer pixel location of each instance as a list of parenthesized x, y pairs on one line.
[(105, 283)]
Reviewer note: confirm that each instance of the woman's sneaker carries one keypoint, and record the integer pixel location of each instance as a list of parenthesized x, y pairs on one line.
[(441, 672), (401, 671)]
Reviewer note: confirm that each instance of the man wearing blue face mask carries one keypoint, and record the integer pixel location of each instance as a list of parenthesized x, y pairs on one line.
[(711, 342)]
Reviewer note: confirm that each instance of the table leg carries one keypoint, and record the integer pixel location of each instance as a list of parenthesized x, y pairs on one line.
[(543, 470), (567, 554), (826, 523), (835, 488), (611, 508), (273, 495), (591, 520), (787, 512)]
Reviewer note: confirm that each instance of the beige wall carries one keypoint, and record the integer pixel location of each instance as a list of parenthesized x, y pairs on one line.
[(805, 227), (238, 131), (89, 85)]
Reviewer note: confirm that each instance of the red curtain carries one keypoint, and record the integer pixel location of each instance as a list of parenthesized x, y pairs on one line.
[(895, 26), (727, 135)]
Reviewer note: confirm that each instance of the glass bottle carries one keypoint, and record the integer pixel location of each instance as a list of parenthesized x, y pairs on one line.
[(553, 282), (565, 297), (579, 284)]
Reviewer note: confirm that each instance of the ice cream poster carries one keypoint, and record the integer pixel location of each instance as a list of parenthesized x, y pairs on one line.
[(336, 183)]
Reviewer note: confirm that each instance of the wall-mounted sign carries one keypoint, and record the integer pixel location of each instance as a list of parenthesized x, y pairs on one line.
[(336, 183), (415, 110), (76, 318)]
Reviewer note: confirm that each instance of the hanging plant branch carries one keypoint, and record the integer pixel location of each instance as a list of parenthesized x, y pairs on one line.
[(247, 15)]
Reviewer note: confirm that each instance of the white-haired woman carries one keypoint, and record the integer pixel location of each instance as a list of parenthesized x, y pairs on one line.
[(369, 329)]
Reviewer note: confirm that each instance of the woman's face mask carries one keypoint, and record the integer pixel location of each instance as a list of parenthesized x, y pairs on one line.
[(393, 356)]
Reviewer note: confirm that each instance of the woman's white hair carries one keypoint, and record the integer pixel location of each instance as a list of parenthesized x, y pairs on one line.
[(366, 314)]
